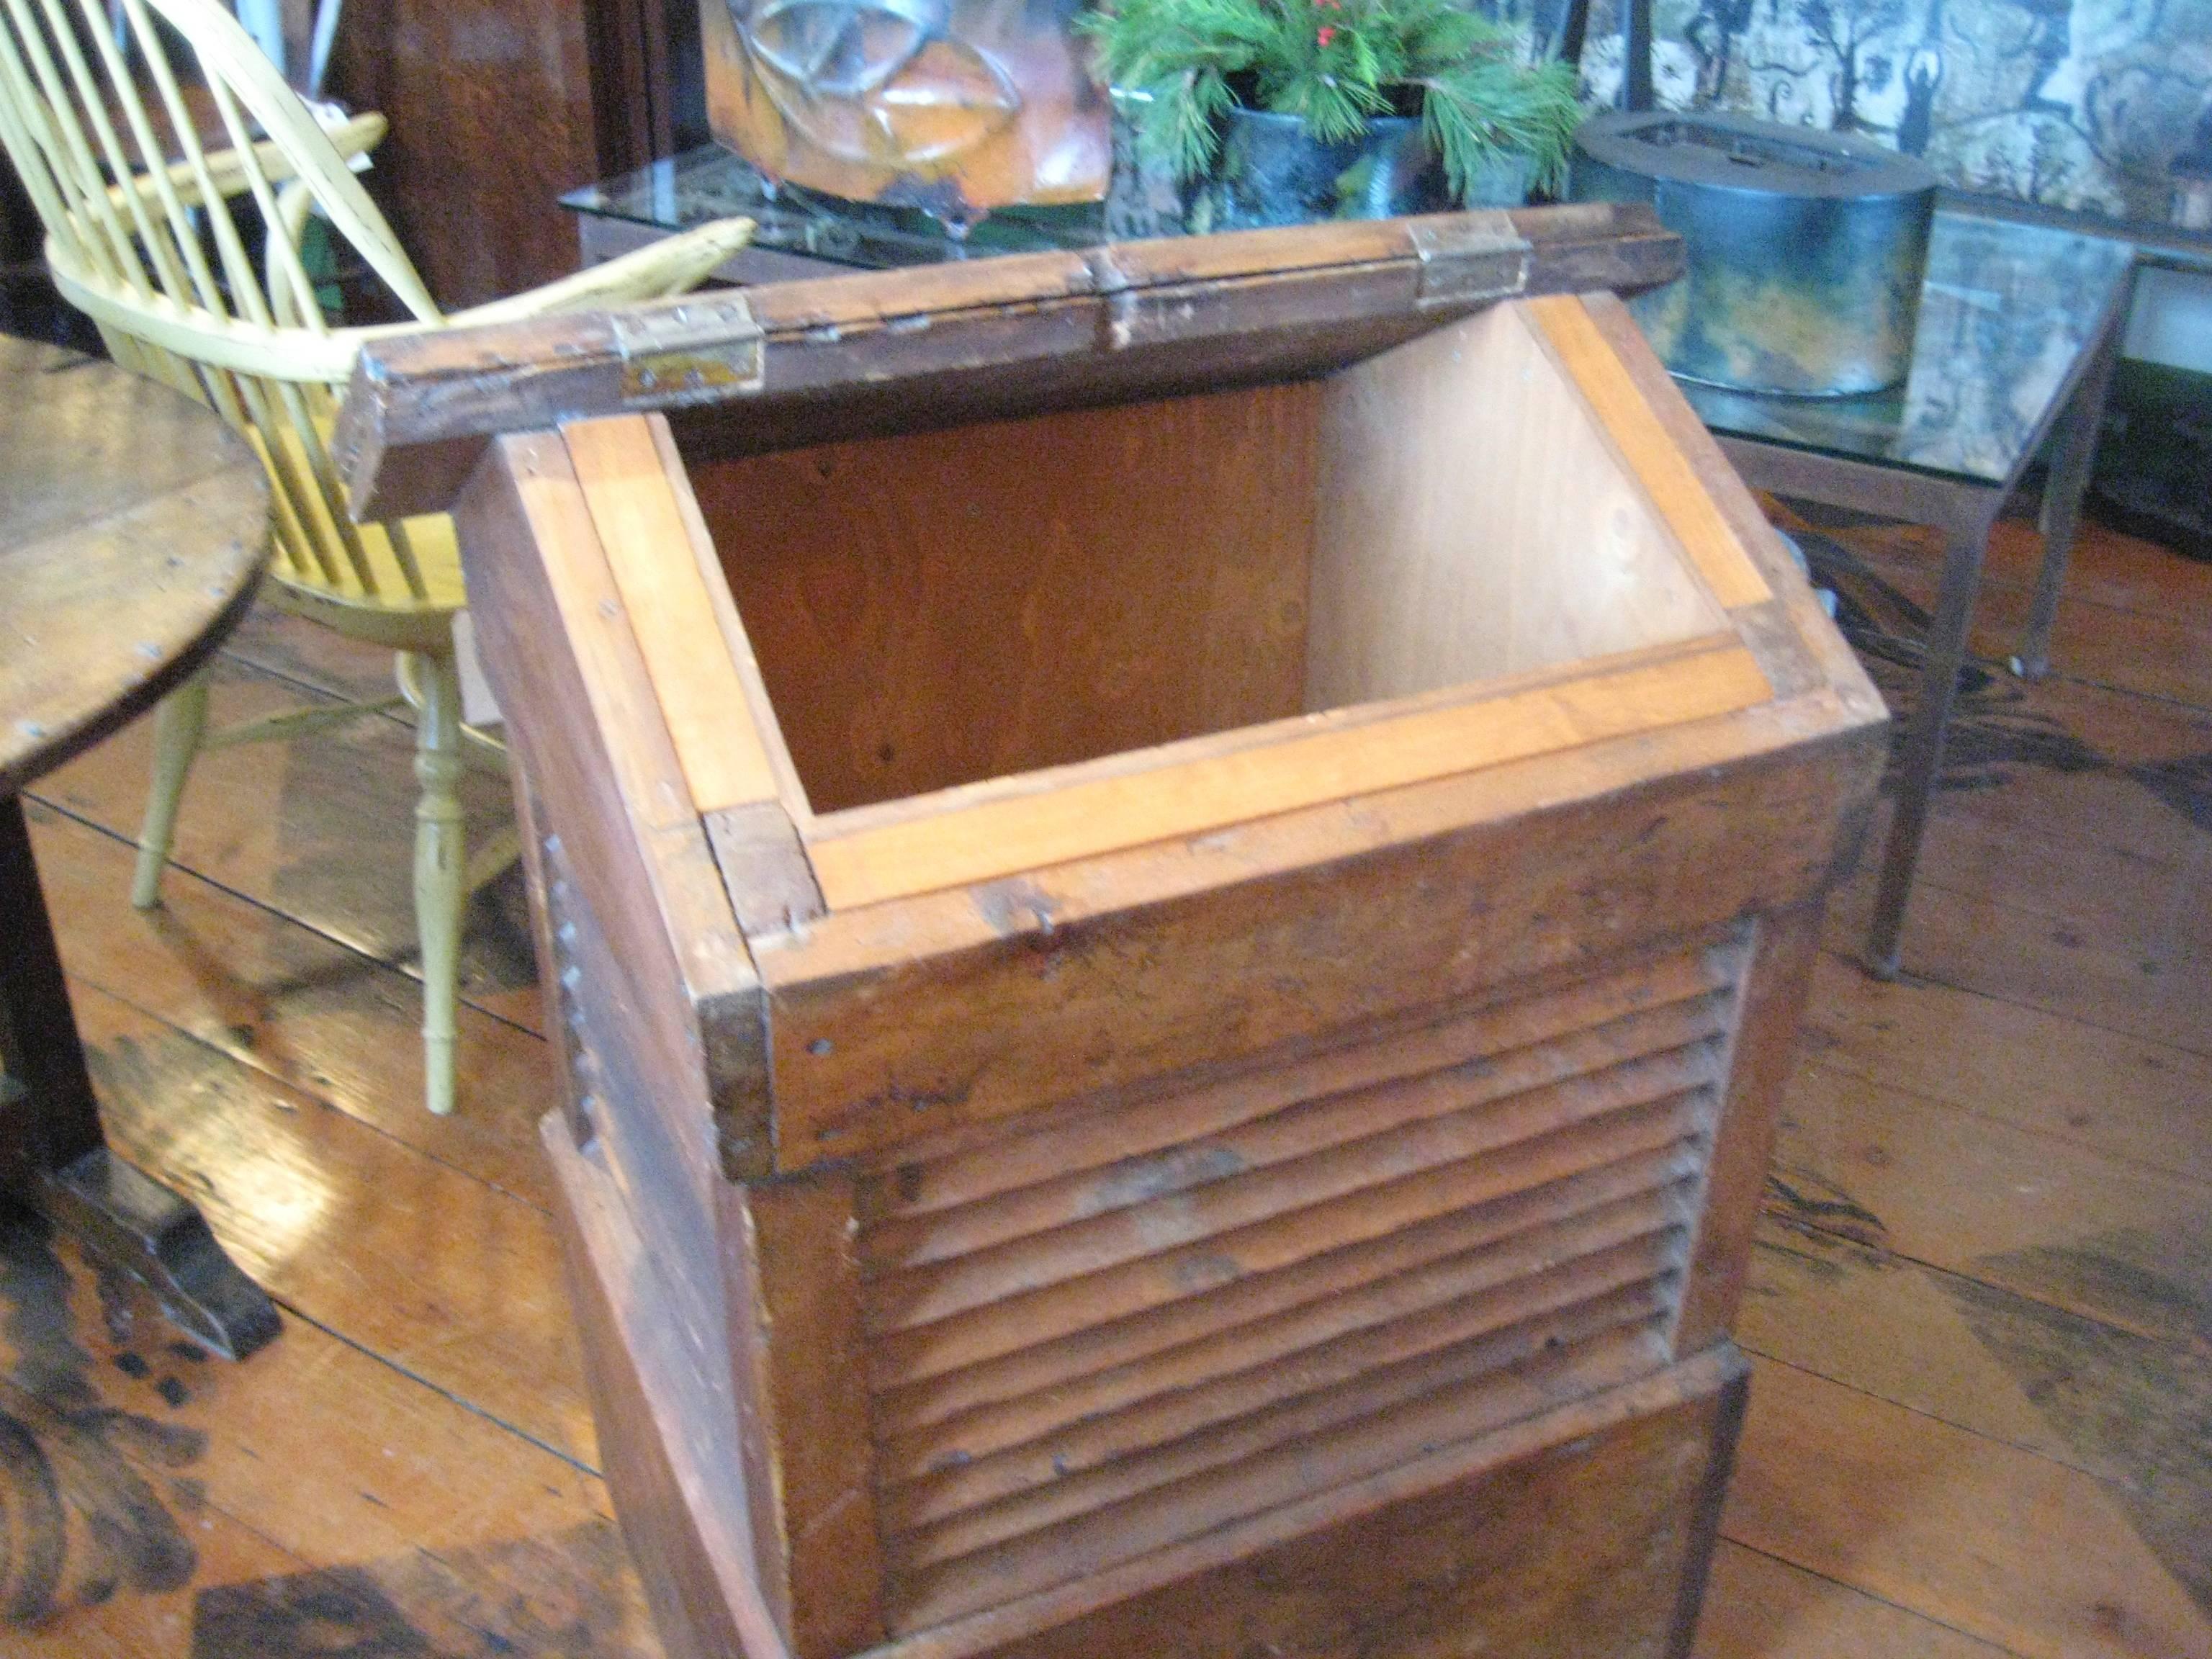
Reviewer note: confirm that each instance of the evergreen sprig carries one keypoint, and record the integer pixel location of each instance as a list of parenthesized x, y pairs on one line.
[(1334, 63)]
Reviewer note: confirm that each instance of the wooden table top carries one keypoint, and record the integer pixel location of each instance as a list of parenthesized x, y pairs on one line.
[(134, 526)]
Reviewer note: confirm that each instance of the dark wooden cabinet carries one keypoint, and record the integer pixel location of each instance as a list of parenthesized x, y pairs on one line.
[(499, 105)]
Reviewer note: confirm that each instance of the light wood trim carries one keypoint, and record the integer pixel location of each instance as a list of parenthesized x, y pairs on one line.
[(1651, 454), (792, 1273), (710, 560), (647, 545), (868, 940), (558, 641), (983, 840), (556, 524), (1809, 649)]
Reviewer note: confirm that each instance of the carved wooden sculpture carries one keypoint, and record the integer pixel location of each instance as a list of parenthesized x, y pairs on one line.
[(955, 107), (1178, 883)]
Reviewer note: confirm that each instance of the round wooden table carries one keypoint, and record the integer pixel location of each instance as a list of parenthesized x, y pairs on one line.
[(133, 526)]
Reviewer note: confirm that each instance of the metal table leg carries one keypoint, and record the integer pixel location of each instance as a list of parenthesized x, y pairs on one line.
[(1966, 541), (53, 1156), (2062, 498)]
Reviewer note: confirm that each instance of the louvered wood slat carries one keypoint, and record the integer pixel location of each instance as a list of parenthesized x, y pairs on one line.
[(1106, 1448), (1355, 1297), (1305, 1125), (1023, 1265), (1363, 1213), (1029, 1384), (1124, 1321), (974, 1163), (1457, 1410)]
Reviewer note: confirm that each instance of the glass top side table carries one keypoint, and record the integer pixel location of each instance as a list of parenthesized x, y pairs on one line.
[(2019, 324), (802, 232)]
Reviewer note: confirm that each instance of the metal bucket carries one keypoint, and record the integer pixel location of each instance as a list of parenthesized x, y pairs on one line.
[(1807, 249)]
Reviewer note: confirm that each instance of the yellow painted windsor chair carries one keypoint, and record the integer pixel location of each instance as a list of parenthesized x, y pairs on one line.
[(187, 256)]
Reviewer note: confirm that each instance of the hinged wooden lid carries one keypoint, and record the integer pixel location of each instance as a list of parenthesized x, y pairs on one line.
[(895, 350)]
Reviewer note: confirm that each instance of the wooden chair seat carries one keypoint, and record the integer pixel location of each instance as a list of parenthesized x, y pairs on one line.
[(385, 609)]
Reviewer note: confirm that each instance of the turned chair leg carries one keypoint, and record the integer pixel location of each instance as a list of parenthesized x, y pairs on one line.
[(178, 726), (440, 860)]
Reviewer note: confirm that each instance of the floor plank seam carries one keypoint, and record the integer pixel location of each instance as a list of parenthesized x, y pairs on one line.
[(398, 966), (1909, 977), (2104, 1154), (1787, 1218), (411, 1375), (1872, 1595), (325, 1100), (331, 694), (2003, 666), (2191, 1049), (2044, 1453)]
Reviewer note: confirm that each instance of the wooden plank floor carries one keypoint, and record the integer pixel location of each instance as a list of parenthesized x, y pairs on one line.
[(1982, 1306)]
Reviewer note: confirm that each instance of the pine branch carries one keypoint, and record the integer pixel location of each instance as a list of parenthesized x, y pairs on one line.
[(1333, 64), (1485, 111)]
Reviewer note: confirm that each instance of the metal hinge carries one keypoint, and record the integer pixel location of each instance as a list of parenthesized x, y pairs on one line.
[(698, 352), (1469, 258)]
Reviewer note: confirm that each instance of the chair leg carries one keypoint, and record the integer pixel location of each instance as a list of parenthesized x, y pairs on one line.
[(178, 726), (440, 860)]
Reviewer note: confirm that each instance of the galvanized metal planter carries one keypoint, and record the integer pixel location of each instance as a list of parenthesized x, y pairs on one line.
[(1806, 250), (1271, 171)]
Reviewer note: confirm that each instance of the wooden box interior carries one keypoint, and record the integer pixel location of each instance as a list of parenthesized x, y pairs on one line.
[(939, 608)]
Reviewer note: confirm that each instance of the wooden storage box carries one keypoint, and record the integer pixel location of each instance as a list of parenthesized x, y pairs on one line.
[(1177, 882)]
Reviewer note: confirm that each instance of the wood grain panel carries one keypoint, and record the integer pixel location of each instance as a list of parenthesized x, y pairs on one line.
[(642, 528), (971, 1506), (1437, 1557), (557, 639), (891, 351), (935, 1173), (1762, 1048), (1399, 1433), (644, 1160), (1364, 1154), (1192, 1270), (1274, 1316), (875, 1042), (1029, 1390), (942, 607), (1301, 1109), (1474, 522), (688, 1534), (793, 1282), (1425, 1551)]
